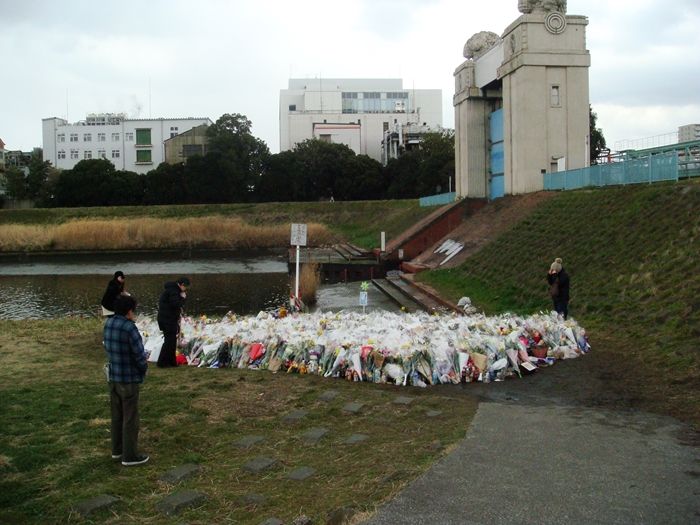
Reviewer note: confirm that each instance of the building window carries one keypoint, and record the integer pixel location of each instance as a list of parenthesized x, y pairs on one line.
[(293, 107), (87, 137), (61, 154), (87, 154), (74, 137), (143, 137), (101, 137), (74, 154), (115, 153), (190, 150), (325, 138), (143, 156), (61, 137), (101, 154), (129, 136), (173, 131), (554, 96), (115, 137)]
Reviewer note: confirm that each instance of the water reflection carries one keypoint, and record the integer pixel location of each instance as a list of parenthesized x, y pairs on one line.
[(61, 286)]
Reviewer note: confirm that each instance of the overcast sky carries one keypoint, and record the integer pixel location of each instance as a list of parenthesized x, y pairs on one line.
[(179, 58)]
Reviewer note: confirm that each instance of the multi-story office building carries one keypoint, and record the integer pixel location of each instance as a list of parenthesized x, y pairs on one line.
[(130, 144), (689, 132), (355, 112)]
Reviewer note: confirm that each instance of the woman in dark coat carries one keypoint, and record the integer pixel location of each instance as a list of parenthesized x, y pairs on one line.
[(115, 288), (169, 310), (558, 281)]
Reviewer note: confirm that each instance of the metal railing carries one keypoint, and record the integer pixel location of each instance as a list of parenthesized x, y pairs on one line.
[(649, 169)]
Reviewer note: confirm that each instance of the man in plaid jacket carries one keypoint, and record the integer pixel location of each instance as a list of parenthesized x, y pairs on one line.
[(127, 369)]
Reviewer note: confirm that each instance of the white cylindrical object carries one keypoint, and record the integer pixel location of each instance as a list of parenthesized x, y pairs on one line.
[(383, 241)]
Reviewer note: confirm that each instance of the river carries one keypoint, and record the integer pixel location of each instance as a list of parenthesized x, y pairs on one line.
[(60, 286)]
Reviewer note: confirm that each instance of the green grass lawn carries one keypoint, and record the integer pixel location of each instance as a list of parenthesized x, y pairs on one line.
[(55, 443)]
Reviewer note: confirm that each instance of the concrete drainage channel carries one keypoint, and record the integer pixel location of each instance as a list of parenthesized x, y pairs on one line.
[(409, 296)]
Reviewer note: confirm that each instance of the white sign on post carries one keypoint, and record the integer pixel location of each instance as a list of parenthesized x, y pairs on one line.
[(298, 239), (298, 235)]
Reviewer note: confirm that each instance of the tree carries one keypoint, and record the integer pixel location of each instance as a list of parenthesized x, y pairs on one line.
[(239, 155), (596, 137), (38, 174), (95, 182), (16, 184), (425, 171)]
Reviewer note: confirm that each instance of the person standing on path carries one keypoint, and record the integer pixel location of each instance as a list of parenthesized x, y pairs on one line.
[(115, 288), (558, 281), (127, 369), (169, 311)]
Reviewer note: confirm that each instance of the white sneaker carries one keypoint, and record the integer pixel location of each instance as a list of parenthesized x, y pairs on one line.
[(138, 460)]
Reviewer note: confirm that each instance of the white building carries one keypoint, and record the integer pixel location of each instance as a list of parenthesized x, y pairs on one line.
[(355, 112), (689, 132), (130, 144)]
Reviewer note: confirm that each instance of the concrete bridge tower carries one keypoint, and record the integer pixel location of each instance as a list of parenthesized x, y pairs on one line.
[(522, 102)]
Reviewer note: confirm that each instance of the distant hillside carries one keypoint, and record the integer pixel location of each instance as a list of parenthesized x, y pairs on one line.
[(633, 254)]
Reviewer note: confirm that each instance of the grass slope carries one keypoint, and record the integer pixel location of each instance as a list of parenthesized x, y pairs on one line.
[(357, 222), (632, 254), (55, 441)]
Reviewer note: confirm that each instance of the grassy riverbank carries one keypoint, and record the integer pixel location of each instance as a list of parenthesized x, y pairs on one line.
[(203, 226), (54, 446), (632, 254)]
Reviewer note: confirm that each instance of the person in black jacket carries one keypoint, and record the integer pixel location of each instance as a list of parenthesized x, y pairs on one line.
[(558, 281), (115, 288), (169, 310)]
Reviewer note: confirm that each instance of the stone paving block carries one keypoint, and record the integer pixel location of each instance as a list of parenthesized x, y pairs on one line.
[(433, 413), (259, 464), (272, 521), (178, 501), (328, 395), (101, 502), (403, 400), (353, 408), (248, 441), (179, 473), (301, 473), (356, 438), (302, 520), (313, 435), (294, 416)]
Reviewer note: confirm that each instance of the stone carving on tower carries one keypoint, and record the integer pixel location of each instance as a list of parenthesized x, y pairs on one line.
[(542, 6), (480, 43)]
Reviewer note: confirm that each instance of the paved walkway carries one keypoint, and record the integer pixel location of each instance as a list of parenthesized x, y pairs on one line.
[(533, 462)]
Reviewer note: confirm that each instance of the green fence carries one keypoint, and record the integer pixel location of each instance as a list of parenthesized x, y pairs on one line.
[(652, 168)]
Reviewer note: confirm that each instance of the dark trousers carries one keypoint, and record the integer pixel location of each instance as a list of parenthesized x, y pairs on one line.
[(124, 400), (167, 351), (561, 307)]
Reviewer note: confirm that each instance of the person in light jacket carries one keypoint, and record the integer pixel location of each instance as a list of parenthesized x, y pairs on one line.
[(170, 307)]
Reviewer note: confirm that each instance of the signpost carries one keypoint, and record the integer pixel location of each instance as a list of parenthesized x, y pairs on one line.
[(298, 239)]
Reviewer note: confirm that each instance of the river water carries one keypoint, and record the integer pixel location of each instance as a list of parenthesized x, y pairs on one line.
[(54, 287)]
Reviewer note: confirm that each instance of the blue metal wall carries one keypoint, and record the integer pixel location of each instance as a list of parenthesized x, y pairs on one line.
[(496, 164)]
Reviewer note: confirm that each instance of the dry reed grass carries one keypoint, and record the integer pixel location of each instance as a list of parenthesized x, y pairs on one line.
[(120, 234), (309, 281)]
